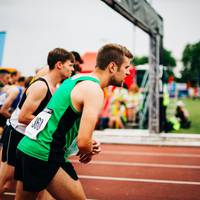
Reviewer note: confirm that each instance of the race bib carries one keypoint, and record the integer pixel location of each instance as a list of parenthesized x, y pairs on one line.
[(38, 123)]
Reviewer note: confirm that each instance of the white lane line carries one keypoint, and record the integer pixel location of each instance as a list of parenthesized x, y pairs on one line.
[(138, 180), (151, 154), (9, 193), (136, 164), (13, 194)]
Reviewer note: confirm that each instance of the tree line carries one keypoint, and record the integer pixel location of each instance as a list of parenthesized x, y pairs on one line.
[(190, 59)]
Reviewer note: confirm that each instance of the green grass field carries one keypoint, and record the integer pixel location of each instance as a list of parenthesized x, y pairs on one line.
[(193, 107)]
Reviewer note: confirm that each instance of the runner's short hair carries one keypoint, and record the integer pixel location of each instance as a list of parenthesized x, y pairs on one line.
[(112, 53), (4, 71), (59, 54)]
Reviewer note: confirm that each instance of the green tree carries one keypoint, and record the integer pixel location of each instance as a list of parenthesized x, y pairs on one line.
[(191, 62), (140, 60), (167, 59), (169, 62)]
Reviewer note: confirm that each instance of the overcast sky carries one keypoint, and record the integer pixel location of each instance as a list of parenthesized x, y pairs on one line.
[(181, 23), (36, 26)]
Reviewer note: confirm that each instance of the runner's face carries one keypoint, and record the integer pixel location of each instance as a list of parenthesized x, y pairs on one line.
[(6, 79), (121, 73), (67, 69)]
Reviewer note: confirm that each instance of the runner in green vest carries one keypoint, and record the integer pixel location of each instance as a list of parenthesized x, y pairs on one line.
[(71, 115)]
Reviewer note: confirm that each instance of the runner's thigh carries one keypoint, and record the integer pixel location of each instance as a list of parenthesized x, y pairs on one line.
[(63, 187)]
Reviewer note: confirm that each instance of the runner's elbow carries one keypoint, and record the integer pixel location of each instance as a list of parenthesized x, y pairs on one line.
[(84, 146), (22, 119)]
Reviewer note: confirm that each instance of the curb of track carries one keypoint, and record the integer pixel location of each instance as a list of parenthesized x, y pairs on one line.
[(143, 137)]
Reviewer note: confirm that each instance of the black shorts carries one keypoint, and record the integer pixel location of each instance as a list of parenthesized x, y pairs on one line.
[(36, 174), (2, 120), (10, 140)]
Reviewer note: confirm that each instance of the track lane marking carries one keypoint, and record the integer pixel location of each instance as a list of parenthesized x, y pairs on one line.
[(13, 194), (138, 180), (9, 193), (151, 154), (136, 164)]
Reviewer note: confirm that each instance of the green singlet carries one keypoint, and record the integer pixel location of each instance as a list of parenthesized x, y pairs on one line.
[(54, 140)]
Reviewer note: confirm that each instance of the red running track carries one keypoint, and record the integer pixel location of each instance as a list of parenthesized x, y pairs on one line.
[(131, 172)]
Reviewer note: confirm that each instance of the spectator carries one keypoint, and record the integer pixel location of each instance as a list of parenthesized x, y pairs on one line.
[(133, 102), (183, 115), (118, 116)]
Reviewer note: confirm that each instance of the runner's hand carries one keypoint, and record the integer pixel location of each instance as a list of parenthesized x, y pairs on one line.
[(96, 149)]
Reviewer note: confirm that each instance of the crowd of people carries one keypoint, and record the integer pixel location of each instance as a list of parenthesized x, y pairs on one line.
[(121, 106), (51, 117)]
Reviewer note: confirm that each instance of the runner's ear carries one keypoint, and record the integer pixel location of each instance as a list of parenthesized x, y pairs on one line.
[(59, 65), (112, 67)]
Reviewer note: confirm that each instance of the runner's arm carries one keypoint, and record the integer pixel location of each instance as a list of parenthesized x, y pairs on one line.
[(12, 94), (32, 101), (92, 104)]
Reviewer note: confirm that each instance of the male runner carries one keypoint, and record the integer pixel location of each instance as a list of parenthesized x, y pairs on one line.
[(34, 100), (71, 114), (4, 80)]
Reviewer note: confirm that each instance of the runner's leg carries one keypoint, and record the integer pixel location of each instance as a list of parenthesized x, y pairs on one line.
[(24, 195), (63, 187)]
